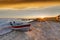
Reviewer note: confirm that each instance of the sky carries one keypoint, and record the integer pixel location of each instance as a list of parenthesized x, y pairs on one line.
[(29, 9)]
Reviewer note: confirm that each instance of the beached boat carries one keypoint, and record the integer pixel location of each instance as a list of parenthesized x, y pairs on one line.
[(14, 25), (23, 26)]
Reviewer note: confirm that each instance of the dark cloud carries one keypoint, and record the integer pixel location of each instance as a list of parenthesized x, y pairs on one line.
[(23, 1)]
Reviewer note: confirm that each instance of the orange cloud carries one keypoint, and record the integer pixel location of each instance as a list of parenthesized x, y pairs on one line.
[(29, 5)]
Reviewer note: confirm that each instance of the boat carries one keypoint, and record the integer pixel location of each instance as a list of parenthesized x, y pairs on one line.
[(22, 26), (14, 25)]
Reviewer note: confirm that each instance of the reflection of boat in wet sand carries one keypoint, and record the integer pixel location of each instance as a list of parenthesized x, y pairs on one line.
[(14, 25)]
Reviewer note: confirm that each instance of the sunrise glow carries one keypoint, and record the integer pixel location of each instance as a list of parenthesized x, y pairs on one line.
[(22, 9), (43, 16)]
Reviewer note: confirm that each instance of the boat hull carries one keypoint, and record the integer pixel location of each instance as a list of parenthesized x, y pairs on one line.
[(21, 27)]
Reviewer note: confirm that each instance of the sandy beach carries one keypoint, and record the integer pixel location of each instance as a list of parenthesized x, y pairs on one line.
[(47, 30)]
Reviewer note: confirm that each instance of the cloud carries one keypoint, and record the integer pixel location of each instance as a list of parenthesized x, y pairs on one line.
[(23, 1), (50, 11)]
